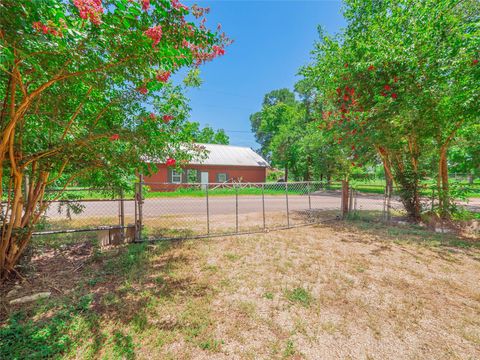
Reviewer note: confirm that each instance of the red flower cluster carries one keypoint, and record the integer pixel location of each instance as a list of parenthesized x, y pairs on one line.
[(39, 26), (145, 4), (154, 33), (163, 76), (475, 62), (389, 88), (177, 5), (199, 11), (90, 9), (171, 162), (143, 90), (371, 68), (114, 137), (167, 118), (218, 51), (200, 54), (152, 116)]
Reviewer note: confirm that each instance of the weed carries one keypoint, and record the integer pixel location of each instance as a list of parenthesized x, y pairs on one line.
[(299, 295), (210, 344), (232, 257), (268, 295), (289, 350), (123, 347)]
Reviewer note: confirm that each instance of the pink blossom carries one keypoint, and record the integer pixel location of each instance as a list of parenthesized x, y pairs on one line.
[(167, 118), (176, 4), (163, 76), (218, 51), (171, 162), (90, 9), (39, 26), (145, 4), (154, 33), (114, 137)]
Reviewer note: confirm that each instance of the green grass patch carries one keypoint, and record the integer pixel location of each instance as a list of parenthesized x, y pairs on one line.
[(24, 338), (299, 295)]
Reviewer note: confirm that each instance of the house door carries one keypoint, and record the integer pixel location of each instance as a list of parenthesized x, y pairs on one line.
[(204, 177)]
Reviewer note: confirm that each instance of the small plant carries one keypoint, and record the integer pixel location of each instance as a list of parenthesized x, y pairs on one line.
[(268, 295), (123, 346), (210, 344), (232, 257), (289, 350), (299, 295)]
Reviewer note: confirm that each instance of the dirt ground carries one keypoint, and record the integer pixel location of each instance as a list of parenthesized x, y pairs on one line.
[(333, 291)]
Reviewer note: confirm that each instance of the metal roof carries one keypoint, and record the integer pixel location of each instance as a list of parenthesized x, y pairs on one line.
[(229, 155)]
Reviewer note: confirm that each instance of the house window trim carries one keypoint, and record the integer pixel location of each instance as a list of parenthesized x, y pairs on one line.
[(218, 177), (176, 174)]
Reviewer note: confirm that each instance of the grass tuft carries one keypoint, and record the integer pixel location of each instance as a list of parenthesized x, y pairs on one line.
[(299, 295)]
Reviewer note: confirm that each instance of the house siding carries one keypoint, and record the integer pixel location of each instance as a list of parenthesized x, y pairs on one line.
[(236, 173)]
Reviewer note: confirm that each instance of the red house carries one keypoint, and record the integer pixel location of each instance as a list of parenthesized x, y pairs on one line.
[(224, 163)]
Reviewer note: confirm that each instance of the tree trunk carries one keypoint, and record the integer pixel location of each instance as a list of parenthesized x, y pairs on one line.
[(286, 173)]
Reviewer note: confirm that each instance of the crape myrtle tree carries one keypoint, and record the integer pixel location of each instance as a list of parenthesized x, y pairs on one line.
[(85, 92), (402, 79)]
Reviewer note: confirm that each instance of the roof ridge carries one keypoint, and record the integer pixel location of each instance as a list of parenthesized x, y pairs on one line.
[(226, 145)]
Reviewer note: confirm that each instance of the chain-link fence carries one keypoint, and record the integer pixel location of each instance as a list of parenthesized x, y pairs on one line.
[(199, 210), (373, 202), (172, 211), (85, 213)]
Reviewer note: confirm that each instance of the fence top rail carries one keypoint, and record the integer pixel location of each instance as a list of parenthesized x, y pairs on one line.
[(237, 184)]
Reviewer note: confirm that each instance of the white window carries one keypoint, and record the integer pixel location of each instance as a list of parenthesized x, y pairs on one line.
[(221, 177), (176, 177)]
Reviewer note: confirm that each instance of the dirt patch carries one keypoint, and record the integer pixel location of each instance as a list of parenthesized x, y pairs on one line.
[(340, 290)]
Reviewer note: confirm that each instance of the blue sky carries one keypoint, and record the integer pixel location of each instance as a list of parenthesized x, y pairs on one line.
[(273, 39)]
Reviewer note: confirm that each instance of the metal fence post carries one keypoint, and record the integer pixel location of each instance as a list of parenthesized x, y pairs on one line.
[(344, 198), (286, 198), (208, 210), (433, 200), (236, 208), (389, 197), (309, 190), (139, 200), (122, 214), (354, 195), (385, 204), (263, 206)]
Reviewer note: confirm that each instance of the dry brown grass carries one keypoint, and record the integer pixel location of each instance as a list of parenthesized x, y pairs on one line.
[(320, 292)]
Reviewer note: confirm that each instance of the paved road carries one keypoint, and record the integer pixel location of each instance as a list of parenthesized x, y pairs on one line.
[(220, 205)]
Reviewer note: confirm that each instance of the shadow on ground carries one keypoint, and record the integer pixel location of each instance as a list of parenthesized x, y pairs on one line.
[(94, 294)]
